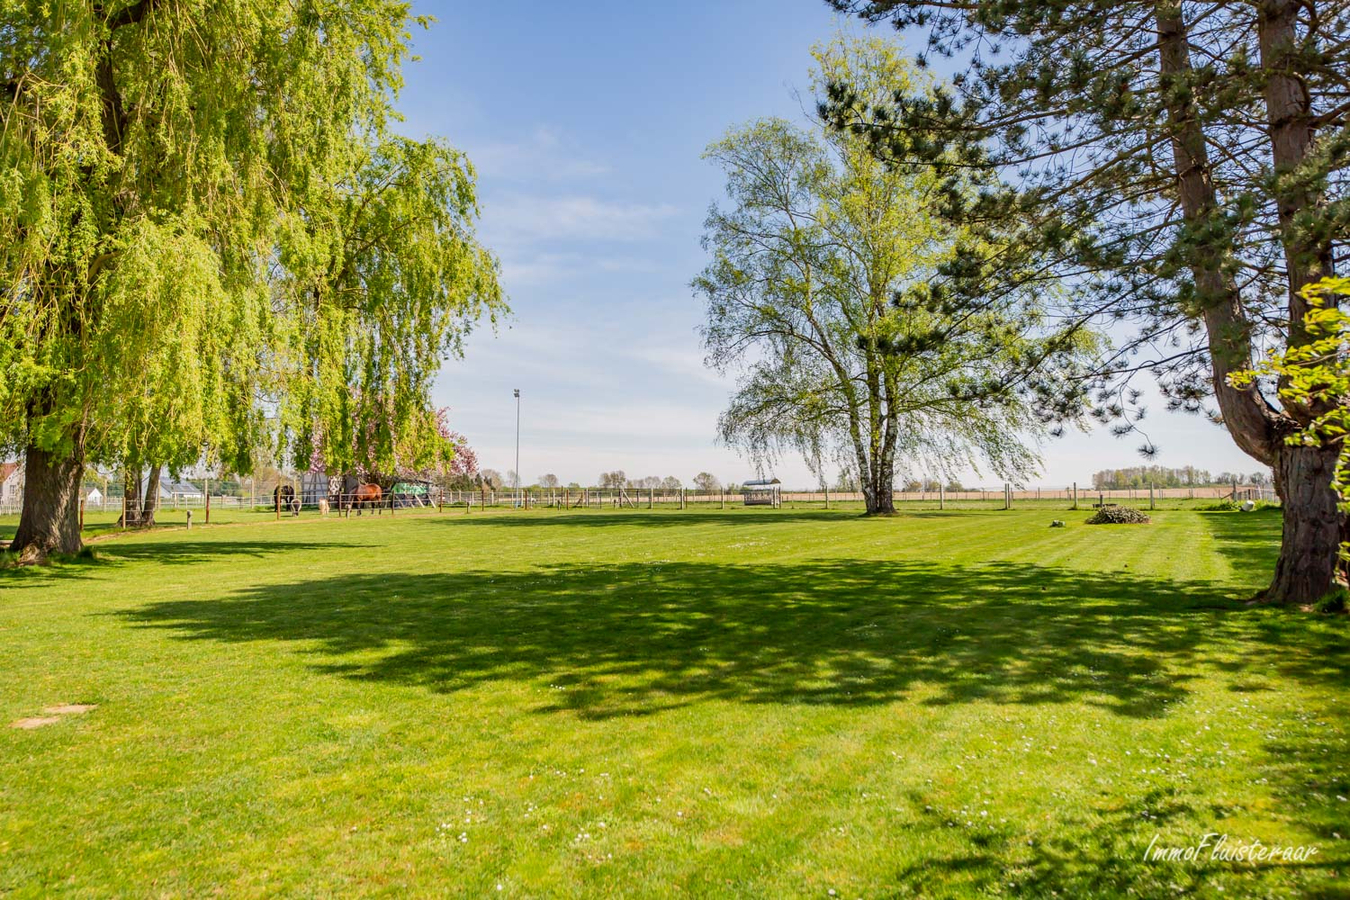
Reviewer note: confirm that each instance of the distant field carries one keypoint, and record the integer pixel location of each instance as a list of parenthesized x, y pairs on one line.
[(752, 702)]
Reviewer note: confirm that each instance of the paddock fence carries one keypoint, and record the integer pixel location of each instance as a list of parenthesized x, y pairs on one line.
[(262, 499)]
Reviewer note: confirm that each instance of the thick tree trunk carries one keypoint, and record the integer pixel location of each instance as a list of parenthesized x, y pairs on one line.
[(1314, 527), (883, 501), (1249, 418), (1289, 117), (151, 502), (50, 521), (131, 498), (1309, 552), (878, 484)]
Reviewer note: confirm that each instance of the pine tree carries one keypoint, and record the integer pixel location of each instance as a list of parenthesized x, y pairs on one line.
[(1181, 166)]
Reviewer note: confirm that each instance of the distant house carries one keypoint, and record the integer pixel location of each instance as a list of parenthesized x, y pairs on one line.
[(172, 491), (95, 498), (11, 483)]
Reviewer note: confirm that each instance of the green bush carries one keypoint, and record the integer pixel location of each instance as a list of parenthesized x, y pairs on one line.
[(1236, 506)]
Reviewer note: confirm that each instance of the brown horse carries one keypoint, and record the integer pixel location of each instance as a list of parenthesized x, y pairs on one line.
[(366, 495)]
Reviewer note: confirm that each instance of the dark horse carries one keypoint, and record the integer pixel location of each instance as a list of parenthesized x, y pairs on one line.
[(364, 496), (283, 497)]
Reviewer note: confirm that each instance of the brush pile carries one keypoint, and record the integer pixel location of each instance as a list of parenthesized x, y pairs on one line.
[(1119, 515)]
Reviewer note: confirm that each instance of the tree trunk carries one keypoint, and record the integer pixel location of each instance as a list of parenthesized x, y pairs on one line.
[(878, 484), (50, 521), (1289, 117), (1314, 527), (147, 517), (882, 497), (1310, 550), (131, 498)]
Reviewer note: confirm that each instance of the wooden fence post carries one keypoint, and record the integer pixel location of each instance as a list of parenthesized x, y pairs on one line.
[(82, 514), (208, 501), (277, 496), (942, 496), (1150, 496)]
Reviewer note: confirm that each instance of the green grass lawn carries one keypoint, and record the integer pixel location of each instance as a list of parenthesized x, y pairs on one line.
[(757, 702)]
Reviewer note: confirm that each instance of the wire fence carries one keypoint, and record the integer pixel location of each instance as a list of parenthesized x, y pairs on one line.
[(292, 499)]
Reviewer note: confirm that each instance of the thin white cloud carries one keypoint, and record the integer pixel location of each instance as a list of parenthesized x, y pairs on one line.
[(542, 155), (521, 218), (523, 268)]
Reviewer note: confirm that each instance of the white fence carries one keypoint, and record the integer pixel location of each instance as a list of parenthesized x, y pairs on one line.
[(640, 498)]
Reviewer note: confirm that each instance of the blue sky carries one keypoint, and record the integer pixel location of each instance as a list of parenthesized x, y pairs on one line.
[(586, 122)]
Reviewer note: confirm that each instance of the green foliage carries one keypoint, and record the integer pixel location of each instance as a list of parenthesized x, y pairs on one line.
[(210, 240), (392, 275), (1315, 376), (1184, 166), (151, 151), (1236, 506), (821, 264)]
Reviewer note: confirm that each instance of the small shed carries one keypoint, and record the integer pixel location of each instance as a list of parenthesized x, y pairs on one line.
[(762, 493), (95, 498)]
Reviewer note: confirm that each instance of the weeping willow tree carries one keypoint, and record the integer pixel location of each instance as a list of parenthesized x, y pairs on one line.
[(168, 170), (818, 294), (392, 278)]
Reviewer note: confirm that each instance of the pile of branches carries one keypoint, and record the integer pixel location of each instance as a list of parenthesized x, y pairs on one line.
[(1119, 515)]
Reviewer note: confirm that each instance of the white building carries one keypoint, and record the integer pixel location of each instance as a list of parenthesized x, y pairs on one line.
[(11, 484)]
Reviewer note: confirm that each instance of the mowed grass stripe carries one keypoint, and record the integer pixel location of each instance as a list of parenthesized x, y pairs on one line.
[(769, 703)]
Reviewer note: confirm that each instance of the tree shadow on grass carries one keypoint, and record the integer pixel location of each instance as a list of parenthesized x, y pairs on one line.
[(1249, 541), (1104, 852), (191, 552), (633, 639), (113, 554)]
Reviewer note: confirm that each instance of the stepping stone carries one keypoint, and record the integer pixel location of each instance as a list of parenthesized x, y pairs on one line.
[(52, 714), (66, 709), (34, 722)]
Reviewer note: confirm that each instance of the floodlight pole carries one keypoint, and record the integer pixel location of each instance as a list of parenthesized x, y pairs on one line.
[(517, 391)]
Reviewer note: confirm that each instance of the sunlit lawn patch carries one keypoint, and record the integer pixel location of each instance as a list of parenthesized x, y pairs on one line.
[(765, 702)]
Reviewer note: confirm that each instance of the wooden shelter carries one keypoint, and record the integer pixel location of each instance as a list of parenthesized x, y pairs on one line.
[(762, 493)]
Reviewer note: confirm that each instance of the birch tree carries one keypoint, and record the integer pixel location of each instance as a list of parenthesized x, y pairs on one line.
[(817, 294)]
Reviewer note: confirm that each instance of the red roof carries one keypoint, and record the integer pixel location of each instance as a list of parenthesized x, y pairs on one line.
[(7, 469)]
